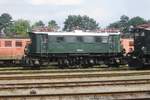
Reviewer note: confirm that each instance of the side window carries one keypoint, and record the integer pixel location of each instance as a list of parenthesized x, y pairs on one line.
[(8, 43), (88, 39), (142, 34), (110, 39), (104, 39), (70, 39), (98, 39), (60, 39), (44, 38), (18, 44), (0, 43), (79, 39), (52, 38)]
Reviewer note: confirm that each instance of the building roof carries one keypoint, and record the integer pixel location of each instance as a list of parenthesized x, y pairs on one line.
[(144, 26), (109, 30)]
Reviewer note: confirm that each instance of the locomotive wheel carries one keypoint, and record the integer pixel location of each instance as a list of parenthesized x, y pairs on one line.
[(114, 62), (87, 63), (63, 63), (27, 62)]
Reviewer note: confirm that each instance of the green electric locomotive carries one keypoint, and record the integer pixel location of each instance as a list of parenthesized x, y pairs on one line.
[(74, 48)]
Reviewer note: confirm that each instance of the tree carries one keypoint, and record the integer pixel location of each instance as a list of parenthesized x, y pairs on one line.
[(136, 21), (125, 23), (19, 27), (5, 20), (10, 30), (124, 19), (122, 24), (52, 25), (81, 22), (114, 25), (38, 24)]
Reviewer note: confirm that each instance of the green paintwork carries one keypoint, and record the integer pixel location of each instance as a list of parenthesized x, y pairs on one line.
[(38, 46)]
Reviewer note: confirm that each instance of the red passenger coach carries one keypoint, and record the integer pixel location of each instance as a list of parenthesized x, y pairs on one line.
[(12, 50)]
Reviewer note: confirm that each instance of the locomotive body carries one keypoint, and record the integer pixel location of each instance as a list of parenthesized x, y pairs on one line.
[(74, 48), (140, 57)]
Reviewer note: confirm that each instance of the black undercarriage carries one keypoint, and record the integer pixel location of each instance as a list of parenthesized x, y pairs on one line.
[(65, 60)]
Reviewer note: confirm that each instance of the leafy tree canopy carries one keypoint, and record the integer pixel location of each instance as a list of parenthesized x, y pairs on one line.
[(82, 22), (19, 27), (124, 23), (136, 21), (5, 20), (53, 25), (38, 24)]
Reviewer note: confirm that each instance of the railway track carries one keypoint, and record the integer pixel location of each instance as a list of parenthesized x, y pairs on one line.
[(18, 70), (74, 85), (59, 74), (90, 90), (124, 95)]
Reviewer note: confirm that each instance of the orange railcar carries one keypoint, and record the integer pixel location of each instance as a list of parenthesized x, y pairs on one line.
[(12, 49)]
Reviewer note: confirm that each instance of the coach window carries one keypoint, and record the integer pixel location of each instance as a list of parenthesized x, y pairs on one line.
[(60, 39), (8, 43), (79, 38), (18, 44)]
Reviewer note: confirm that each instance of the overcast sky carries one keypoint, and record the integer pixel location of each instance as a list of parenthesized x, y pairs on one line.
[(103, 11)]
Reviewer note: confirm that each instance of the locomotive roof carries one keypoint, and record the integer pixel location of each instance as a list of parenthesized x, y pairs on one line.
[(77, 33)]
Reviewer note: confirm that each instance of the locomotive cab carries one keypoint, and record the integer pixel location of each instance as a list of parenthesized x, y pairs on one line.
[(35, 49)]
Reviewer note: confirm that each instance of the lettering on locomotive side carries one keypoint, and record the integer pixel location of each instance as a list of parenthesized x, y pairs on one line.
[(80, 50)]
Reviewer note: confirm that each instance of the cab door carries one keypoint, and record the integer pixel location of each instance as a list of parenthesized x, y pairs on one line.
[(44, 44)]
